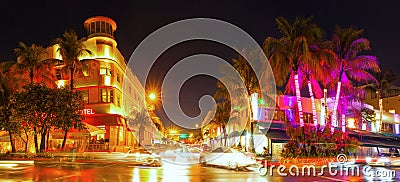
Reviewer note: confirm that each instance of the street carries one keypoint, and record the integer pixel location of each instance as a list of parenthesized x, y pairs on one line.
[(119, 171)]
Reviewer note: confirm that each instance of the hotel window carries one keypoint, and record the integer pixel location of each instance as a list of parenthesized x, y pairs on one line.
[(85, 95), (118, 79), (106, 95), (103, 27), (118, 100), (105, 71), (97, 26), (111, 96)]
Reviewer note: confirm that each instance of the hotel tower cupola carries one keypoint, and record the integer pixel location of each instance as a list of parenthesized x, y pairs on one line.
[(100, 26)]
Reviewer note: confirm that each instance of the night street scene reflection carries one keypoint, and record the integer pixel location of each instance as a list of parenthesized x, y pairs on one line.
[(199, 91)]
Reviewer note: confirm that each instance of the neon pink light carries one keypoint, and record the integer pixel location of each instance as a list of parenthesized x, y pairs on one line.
[(335, 106), (343, 123), (296, 81), (314, 110)]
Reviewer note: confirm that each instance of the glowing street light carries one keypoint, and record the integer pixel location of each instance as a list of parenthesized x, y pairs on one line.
[(152, 96), (173, 131)]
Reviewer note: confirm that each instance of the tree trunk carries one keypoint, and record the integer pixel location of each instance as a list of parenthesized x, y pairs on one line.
[(326, 106), (225, 137), (298, 99), (35, 139), (31, 74), (335, 106), (251, 144), (64, 139), (43, 140), (13, 150), (72, 79), (47, 139), (314, 110), (27, 141), (380, 113)]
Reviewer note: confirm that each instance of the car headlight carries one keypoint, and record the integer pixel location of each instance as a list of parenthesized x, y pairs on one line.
[(383, 160), (368, 159)]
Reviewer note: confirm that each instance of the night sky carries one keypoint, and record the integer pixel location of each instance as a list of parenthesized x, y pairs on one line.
[(41, 22)]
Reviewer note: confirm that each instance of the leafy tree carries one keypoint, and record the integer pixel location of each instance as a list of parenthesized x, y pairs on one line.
[(71, 48), (31, 107), (67, 108), (10, 82)]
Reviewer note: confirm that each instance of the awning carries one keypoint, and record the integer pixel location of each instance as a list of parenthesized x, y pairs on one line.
[(378, 142), (277, 136), (369, 139), (93, 130), (103, 119)]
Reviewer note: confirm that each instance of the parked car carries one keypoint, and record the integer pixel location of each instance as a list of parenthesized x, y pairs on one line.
[(386, 159), (227, 157)]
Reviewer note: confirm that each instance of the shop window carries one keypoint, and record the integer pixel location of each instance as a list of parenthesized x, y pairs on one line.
[(308, 118), (387, 128), (121, 134)]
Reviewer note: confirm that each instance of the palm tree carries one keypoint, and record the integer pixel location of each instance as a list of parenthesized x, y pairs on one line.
[(288, 53), (31, 58), (383, 88), (221, 117), (252, 86), (71, 48), (352, 68)]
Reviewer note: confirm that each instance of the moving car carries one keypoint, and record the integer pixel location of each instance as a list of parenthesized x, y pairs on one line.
[(143, 156), (227, 157), (386, 159)]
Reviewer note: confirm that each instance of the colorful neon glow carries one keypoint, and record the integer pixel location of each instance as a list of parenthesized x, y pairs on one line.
[(324, 110), (314, 110), (335, 106), (254, 106), (380, 116), (343, 123), (298, 98)]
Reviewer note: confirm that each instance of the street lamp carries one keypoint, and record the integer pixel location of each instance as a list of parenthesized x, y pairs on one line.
[(152, 96)]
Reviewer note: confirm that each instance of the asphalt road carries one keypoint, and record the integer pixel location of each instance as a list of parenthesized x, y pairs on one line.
[(116, 171)]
